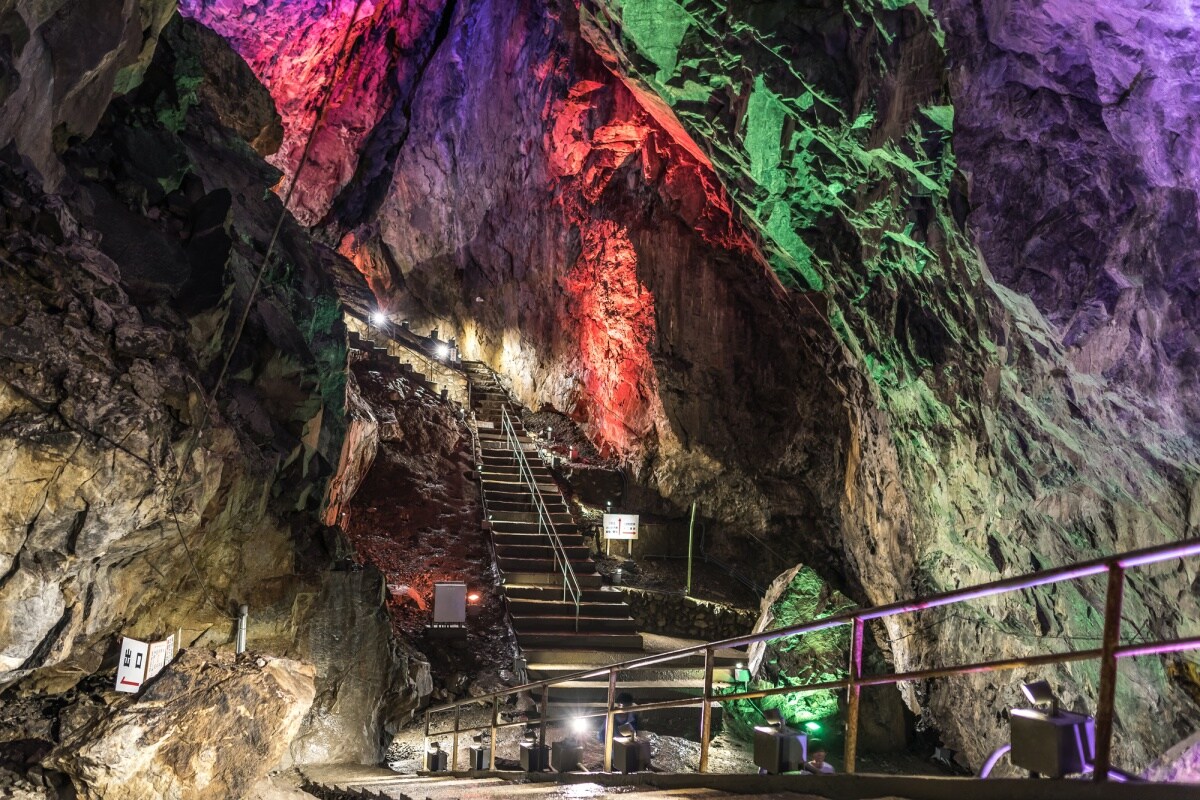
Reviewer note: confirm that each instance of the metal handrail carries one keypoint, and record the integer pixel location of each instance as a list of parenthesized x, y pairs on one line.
[(545, 523), (1109, 653)]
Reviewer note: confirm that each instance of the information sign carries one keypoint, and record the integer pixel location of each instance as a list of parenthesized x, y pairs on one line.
[(620, 526)]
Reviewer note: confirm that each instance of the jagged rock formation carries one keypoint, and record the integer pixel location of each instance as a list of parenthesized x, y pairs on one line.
[(137, 750), (128, 510), (741, 256)]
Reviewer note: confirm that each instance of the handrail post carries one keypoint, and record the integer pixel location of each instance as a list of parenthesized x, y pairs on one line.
[(1113, 600), (610, 719), (545, 714), (494, 732), (854, 691), (454, 745), (425, 749), (706, 708)]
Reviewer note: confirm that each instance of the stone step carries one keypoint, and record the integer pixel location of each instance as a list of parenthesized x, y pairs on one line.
[(566, 608), (566, 640), (567, 623), (540, 552), (524, 505), (587, 580), (536, 539), (517, 591), (529, 528), (529, 516), (545, 565)]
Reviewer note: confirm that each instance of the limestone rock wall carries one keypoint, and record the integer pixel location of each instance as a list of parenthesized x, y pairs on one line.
[(125, 509), (734, 242)]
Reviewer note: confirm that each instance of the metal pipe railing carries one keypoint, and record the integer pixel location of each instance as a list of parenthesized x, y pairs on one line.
[(545, 523), (1110, 652)]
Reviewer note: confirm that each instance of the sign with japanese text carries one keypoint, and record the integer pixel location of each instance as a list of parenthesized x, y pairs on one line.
[(620, 526)]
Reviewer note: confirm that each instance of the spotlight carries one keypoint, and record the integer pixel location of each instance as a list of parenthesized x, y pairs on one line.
[(579, 725), (378, 318), (473, 598), (777, 748), (812, 727), (443, 350)]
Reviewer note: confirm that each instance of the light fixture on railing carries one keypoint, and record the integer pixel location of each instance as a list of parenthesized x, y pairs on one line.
[(777, 748), (442, 350), (378, 318)]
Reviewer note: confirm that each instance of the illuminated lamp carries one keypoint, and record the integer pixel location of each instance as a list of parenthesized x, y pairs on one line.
[(630, 754), (435, 758), (378, 318), (777, 748), (567, 755), (443, 350), (1048, 741), (534, 756)]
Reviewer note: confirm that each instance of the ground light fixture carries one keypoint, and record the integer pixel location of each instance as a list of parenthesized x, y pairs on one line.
[(629, 753), (1047, 740), (477, 752), (534, 756), (435, 758), (567, 755), (778, 748)]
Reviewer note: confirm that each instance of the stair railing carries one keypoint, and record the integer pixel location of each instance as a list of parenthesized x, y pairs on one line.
[(1110, 652), (562, 562)]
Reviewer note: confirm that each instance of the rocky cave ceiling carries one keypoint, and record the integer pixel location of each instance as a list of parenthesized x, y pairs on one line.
[(907, 289)]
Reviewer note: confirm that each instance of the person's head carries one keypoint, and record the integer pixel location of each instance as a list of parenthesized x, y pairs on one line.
[(816, 752), (624, 700)]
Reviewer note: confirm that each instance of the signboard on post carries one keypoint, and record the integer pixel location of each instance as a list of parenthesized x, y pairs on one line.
[(620, 526), (140, 661), (131, 666)]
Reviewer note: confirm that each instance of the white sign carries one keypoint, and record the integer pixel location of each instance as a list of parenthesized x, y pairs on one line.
[(620, 526), (160, 655), (131, 665)]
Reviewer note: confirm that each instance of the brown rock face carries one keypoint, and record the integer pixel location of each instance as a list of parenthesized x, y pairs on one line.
[(176, 739)]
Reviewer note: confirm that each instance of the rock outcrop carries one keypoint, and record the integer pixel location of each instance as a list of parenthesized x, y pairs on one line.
[(174, 739), (733, 242), (143, 498)]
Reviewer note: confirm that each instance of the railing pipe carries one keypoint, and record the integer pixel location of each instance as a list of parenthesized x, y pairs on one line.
[(1111, 652)]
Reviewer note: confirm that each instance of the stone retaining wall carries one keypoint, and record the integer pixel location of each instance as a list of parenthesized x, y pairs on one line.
[(688, 617)]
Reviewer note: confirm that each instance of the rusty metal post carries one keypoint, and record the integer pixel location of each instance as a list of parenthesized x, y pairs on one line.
[(608, 720), (544, 707), (1108, 670), (706, 708), (425, 750), (853, 694), (495, 720), (454, 755)]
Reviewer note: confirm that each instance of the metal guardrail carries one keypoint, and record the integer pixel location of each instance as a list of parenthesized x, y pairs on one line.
[(1109, 653), (545, 523)]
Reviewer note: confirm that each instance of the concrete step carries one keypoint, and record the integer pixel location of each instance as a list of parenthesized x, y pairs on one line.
[(536, 539), (495, 504), (563, 608), (544, 565), (528, 528), (569, 640), (587, 580), (568, 623), (516, 591), (528, 516), (543, 552)]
